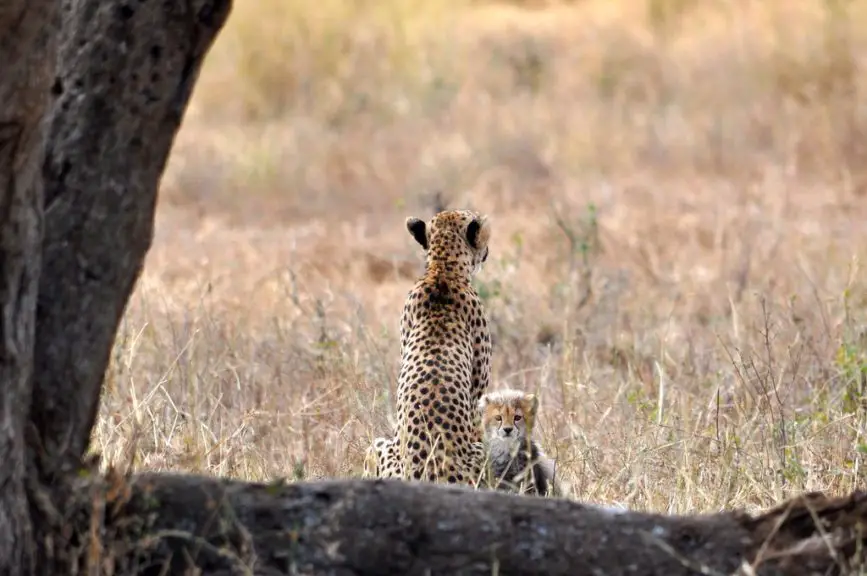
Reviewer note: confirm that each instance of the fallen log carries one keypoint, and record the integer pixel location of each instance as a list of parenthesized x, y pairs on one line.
[(178, 524)]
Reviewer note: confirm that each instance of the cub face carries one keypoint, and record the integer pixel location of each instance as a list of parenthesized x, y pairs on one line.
[(508, 414)]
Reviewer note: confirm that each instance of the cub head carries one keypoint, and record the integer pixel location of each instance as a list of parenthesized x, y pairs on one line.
[(508, 414), (453, 237)]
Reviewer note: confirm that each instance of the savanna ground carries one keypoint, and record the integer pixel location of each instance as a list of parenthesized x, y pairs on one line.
[(678, 192)]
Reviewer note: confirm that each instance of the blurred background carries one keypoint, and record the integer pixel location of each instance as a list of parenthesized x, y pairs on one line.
[(678, 195)]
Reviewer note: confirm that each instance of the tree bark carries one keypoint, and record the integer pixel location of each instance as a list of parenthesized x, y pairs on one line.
[(27, 47), (125, 74), (188, 524)]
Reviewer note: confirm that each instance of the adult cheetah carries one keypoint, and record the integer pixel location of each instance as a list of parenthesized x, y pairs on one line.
[(445, 349)]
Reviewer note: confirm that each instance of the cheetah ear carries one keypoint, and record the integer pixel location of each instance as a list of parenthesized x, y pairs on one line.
[(478, 232), (483, 401), (418, 230), (532, 403)]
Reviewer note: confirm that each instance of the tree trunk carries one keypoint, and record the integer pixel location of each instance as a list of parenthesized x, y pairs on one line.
[(27, 47), (125, 73)]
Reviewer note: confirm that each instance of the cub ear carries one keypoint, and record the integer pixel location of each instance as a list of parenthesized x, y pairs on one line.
[(531, 401), (483, 401), (477, 233), (418, 230)]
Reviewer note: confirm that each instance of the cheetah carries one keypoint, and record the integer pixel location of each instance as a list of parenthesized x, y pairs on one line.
[(445, 349), (516, 461)]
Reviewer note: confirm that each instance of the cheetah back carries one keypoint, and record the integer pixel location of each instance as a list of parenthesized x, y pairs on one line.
[(446, 368)]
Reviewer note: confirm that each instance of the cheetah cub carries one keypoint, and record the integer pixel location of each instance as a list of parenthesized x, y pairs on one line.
[(516, 461)]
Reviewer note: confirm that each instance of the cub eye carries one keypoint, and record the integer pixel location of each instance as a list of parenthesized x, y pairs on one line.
[(498, 418), (518, 417)]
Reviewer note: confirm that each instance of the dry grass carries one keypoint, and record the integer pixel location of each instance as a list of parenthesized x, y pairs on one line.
[(679, 200)]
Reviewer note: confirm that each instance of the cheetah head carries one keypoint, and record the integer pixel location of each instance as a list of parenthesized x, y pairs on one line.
[(508, 414), (454, 237)]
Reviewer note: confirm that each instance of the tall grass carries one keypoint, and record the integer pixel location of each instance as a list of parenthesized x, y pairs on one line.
[(677, 190)]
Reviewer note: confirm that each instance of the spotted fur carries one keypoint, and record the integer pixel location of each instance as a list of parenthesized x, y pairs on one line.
[(445, 349)]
